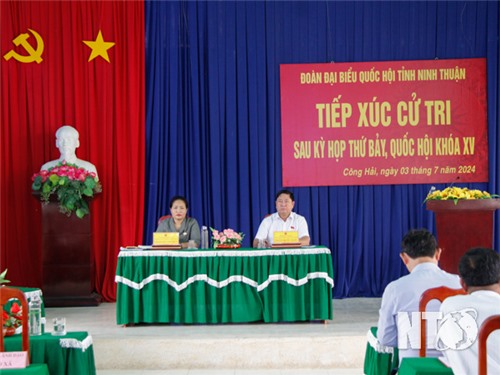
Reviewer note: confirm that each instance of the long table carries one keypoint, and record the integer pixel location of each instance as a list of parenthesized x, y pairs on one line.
[(224, 286), (382, 360), (379, 359), (72, 354), (423, 366), (35, 369)]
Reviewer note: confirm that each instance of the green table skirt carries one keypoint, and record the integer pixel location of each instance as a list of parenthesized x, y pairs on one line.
[(34, 369), (224, 286), (379, 359), (423, 366), (72, 354)]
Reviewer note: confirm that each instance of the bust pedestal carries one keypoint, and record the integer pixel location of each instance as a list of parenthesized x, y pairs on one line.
[(461, 226), (67, 261)]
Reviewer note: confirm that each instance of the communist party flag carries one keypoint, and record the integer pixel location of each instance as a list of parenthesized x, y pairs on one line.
[(78, 63)]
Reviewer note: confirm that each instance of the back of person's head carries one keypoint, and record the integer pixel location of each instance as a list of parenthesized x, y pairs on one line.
[(480, 266), (287, 192), (419, 243)]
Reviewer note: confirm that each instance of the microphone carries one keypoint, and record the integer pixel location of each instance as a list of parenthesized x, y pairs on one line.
[(453, 182)]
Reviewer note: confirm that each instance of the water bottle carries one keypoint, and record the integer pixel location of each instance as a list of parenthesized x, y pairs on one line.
[(204, 237), (35, 316)]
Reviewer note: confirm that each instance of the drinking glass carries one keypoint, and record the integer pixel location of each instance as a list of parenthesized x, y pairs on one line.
[(59, 326)]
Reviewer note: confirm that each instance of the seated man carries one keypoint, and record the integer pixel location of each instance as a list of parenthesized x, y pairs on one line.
[(420, 255), (67, 142), (283, 220), (479, 270)]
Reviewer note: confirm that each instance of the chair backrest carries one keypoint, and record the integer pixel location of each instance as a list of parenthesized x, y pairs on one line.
[(6, 294), (440, 293), (163, 218), (489, 325)]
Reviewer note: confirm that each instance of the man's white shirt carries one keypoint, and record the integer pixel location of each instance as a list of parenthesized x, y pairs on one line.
[(465, 361), (403, 296), (273, 223)]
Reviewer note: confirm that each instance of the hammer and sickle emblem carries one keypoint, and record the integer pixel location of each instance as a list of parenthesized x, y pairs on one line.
[(33, 55)]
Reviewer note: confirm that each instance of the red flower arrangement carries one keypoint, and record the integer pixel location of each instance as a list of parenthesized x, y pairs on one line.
[(12, 319), (227, 239), (70, 183)]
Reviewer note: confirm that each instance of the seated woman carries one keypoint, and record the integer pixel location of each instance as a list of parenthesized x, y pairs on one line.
[(187, 227)]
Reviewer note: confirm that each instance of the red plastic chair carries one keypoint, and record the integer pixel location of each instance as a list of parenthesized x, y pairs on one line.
[(6, 294), (163, 218), (489, 325), (440, 293)]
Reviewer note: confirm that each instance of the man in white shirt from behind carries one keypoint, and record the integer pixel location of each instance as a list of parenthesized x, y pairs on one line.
[(479, 271), (420, 255), (283, 220)]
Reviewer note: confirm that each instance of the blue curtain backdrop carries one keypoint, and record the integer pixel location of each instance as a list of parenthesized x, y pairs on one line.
[(213, 115)]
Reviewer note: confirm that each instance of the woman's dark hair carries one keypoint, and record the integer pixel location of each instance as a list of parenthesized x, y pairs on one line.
[(178, 198)]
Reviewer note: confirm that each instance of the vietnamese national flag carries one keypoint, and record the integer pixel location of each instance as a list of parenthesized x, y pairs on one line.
[(78, 63)]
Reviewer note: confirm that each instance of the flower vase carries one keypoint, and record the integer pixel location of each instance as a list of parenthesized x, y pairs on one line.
[(9, 331), (231, 246)]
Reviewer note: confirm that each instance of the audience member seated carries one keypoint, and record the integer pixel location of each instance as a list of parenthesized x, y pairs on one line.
[(283, 220), (187, 227), (67, 142), (420, 254), (479, 271)]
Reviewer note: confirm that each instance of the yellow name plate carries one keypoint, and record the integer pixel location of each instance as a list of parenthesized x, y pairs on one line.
[(165, 238), (286, 237)]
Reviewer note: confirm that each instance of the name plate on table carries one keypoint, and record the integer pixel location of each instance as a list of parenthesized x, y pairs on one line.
[(13, 360), (165, 238), (286, 239)]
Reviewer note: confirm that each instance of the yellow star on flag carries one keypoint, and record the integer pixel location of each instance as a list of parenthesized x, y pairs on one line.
[(99, 47)]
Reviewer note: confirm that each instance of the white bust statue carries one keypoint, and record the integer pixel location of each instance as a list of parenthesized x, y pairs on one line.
[(67, 142)]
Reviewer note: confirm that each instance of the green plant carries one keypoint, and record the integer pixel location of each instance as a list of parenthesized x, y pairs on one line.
[(3, 280)]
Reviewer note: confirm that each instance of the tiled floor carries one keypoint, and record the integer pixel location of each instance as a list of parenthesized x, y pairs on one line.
[(352, 318), (235, 372)]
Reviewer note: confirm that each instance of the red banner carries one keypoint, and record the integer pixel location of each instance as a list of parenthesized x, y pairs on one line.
[(375, 123)]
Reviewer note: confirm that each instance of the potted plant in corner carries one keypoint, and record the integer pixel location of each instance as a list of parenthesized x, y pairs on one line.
[(3, 280)]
